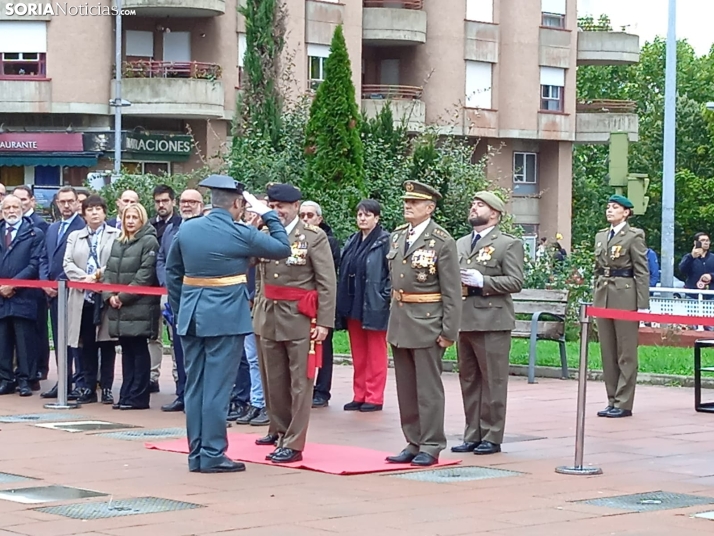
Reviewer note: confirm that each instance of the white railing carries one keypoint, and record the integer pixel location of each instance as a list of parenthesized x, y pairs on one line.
[(682, 302)]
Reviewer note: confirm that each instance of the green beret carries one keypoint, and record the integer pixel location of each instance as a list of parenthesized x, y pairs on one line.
[(621, 200), (492, 200)]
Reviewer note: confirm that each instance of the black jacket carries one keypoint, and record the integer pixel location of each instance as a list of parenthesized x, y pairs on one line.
[(21, 261), (377, 285), (334, 244)]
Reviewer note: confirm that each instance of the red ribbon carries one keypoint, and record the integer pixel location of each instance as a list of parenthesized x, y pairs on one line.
[(94, 287), (634, 316), (307, 305)]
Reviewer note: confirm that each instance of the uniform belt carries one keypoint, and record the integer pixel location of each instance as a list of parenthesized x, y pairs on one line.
[(416, 297), (609, 272), (471, 291), (225, 281)]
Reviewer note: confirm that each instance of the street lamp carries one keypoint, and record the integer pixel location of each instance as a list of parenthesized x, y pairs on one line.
[(117, 102)]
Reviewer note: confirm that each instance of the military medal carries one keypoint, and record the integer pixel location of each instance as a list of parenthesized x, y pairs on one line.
[(484, 254), (421, 277), (615, 252), (432, 243)]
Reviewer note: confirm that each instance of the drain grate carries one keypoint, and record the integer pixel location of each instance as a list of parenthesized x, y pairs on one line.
[(9, 478), (124, 507), (650, 501), (138, 435), (705, 515), (47, 494), (41, 417), (455, 474), (85, 426)]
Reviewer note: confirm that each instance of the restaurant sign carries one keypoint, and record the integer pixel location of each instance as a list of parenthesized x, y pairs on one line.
[(35, 142)]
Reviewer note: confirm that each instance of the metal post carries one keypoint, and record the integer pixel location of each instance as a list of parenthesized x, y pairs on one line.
[(578, 468), (670, 141), (61, 351), (117, 91)]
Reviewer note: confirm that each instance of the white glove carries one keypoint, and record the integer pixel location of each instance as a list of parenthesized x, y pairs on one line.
[(254, 205), (472, 278), (643, 310)]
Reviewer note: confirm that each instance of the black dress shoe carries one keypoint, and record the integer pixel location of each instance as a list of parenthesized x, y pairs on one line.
[(269, 457), (261, 419), (616, 413), (604, 412), (403, 457), (248, 416), (352, 406), (424, 460), (7, 388), (52, 393), (154, 387), (87, 397), (368, 408), (117, 405), (466, 446), (227, 466), (176, 405), (107, 396), (267, 440), (129, 407), (236, 411), (320, 402), (74, 394), (286, 456), (24, 388), (486, 447)]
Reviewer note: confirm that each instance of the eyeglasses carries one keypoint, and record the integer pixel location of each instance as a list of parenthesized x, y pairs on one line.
[(307, 215), (190, 202), (68, 202)]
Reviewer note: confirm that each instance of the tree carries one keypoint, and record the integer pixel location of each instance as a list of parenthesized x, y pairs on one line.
[(333, 146)]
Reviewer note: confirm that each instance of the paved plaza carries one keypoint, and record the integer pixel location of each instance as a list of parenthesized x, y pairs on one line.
[(663, 453)]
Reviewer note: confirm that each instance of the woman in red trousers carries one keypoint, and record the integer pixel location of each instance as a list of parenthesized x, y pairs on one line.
[(363, 297)]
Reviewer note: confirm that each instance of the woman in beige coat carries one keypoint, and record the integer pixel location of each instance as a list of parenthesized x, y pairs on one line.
[(84, 261)]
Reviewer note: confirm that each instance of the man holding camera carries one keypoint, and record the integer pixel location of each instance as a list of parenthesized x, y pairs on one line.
[(697, 265)]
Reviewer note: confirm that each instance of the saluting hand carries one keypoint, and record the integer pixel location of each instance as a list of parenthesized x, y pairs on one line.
[(254, 205)]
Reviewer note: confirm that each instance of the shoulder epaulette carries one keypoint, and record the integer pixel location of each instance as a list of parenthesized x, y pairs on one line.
[(313, 228), (441, 233), (510, 235), (606, 229), (404, 226)]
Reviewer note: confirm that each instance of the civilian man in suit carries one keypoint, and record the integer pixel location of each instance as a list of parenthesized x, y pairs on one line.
[(424, 321), (127, 197), (52, 269), (491, 264), (205, 277), (291, 317), (41, 345), (21, 245), (621, 282)]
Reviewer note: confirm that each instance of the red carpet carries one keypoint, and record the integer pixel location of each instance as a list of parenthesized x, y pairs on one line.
[(333, 459)]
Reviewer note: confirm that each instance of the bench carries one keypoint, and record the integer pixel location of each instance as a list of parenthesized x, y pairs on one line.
[(548, 309)]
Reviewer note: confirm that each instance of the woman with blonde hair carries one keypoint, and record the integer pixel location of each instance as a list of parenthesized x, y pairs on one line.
[(133, 318)]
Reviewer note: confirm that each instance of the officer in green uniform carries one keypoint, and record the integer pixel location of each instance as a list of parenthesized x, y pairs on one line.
[(424, 320), (621, 282)]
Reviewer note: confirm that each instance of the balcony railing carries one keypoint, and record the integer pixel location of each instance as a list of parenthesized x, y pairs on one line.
[(406, 4), (373, 91), (607, 106), (171, 69)]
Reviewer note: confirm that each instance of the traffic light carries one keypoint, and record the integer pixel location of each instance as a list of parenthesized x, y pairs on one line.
[(617, 162), (637, 185)]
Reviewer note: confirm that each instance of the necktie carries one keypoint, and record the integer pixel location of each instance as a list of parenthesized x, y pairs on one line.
[(8, 235), (408, 241), (612, 233), (474, 241), (62, 229)]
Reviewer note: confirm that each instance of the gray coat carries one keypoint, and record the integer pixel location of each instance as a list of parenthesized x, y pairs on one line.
[(133, 263)]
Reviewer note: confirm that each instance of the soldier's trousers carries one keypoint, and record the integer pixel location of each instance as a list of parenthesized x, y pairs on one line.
[(618, 346), (483, 374), (420, 394), (211, 368), (288, 390)]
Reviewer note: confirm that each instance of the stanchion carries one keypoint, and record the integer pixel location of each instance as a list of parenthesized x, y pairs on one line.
[(578, 468), (61, 351)]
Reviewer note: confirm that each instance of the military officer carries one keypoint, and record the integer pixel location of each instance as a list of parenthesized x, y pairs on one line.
[(491, 270), (621, 282), (206, 280), (291, 317), (423, 321)]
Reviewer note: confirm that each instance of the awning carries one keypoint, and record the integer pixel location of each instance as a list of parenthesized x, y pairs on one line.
[(44, 159)]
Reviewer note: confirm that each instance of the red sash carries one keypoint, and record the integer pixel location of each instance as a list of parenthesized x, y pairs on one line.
[(307, 305)]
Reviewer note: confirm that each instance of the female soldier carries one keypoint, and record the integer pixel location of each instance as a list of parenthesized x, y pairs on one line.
[(621, 282)]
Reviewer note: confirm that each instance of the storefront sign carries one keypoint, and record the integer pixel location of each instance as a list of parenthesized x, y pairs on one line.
[(155, 144), (33, 142)]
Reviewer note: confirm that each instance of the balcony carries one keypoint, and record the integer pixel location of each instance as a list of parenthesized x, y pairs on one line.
[(173, 89), (597, 119), (176, 8), (608, 48), (26, 96), (388, 23), (405, 102)]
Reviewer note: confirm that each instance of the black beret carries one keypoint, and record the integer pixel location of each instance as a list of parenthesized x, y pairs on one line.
[(283, 193)]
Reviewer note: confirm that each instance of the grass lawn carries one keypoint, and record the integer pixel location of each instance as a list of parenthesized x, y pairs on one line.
[(654, 359)]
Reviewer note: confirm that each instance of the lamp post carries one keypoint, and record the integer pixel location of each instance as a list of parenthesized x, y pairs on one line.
[(670, 141), (117, 102)]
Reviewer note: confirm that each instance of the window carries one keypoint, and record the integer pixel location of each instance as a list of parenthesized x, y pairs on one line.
[(553, 20), (525, 168), (478, 84), (530, 244), (142, 168), (552, 85), (316, 58), (479, 10), (241, 57), (139, 44), (23, 48)]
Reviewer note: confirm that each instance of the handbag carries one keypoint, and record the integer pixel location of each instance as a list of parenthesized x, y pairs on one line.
[(98, 305)]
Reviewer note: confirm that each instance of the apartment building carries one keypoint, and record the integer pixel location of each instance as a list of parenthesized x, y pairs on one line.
[(500, 72)]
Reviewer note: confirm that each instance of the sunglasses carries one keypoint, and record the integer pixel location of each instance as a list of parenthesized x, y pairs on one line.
[(307, 214)]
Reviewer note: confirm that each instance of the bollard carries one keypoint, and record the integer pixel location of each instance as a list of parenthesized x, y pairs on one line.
[(578, 468), (61, 351)]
